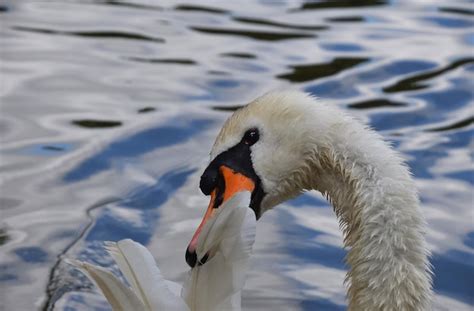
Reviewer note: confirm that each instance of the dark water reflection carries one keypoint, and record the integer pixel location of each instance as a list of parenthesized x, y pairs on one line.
[(304, 73), (109, 109), (413, 83), (253, 34), (92, 34)]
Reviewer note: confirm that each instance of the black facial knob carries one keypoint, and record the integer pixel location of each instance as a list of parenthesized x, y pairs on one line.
[(208, 180)]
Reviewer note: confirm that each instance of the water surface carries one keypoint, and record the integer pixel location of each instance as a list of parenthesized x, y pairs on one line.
[(109, 109)]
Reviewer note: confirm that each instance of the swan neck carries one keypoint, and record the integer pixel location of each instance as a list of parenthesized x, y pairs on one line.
[(374, 197)]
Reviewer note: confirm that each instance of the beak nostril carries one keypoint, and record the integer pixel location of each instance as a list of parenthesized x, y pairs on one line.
[(203, 259)]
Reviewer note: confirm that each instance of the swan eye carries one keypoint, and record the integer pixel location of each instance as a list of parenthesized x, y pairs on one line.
[(251, 137)]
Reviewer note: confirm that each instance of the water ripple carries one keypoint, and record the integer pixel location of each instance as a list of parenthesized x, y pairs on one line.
[(254, 34), (91, 34), (311, 72), (109, 109), (413, 83)]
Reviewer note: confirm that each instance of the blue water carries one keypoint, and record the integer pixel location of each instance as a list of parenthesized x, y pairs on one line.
[(108, 110)]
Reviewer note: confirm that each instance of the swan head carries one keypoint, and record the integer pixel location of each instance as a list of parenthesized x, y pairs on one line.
[(266, 147)]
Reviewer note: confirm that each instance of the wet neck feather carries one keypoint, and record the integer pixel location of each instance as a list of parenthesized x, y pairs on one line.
[(377, 205)]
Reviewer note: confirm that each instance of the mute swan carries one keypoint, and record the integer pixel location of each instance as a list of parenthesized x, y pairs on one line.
[(284, 143), (226, 240)]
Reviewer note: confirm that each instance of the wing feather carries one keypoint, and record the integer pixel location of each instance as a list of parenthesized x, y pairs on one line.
[(120, 297), (140, 270)]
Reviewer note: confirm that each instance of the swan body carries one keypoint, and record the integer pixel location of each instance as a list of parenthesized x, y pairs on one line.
[(227, 239), (288, 142)]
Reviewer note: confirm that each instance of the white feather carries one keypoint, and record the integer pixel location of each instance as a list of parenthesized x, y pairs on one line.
[(120, 297), (229, 237), (227, 223), (139, 268)]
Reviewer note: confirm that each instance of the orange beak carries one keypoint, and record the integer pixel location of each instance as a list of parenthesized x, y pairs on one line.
[(233, 183)]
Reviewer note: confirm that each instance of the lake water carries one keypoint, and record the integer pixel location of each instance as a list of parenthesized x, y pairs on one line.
[(109, 110)]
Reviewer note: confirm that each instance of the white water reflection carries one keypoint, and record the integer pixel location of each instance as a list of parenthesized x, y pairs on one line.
[(109, 109)]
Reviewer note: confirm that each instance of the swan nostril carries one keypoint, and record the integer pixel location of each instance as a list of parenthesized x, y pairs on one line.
[(203, 259), (191, 258)]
